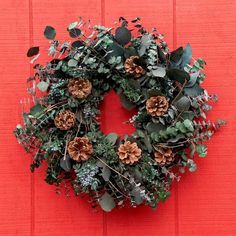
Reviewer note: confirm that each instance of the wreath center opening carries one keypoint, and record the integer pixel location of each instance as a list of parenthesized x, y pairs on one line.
[(114, 117)]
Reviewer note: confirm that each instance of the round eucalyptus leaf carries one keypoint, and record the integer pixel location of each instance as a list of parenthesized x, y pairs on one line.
[(49, 32), (33, 51), (122, 35), (75, 33)]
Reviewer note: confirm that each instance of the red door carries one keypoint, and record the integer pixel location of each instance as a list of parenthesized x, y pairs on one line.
[(203, 203)]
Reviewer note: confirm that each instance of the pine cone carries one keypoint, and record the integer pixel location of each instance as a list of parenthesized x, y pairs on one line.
[(64, 120), (79, 88), (80, 149), (132, 68), (129, 153), (157, 106), (164, 156)]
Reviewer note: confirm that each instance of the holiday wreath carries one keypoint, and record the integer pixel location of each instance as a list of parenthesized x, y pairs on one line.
[(62, 128)]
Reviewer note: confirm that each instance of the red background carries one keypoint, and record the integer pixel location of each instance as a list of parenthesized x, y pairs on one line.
[(202, 203)]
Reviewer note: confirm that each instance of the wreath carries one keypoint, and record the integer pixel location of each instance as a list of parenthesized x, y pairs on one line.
[(63, 130)]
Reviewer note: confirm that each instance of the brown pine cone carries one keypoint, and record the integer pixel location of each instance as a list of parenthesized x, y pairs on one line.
[(79, 88), (157, 106), (64, 120), (80, 149), (132, 68), (129, 153), (164, 156)]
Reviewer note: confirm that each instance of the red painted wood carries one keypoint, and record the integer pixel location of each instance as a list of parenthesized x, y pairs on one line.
[(57, 215), (141, 221), (202, 204), (15, 180), (207, 198)]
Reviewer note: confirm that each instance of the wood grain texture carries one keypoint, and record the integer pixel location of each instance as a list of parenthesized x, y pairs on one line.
[(15, 184), (207, 199), (141, 221), (57, 215), (202, 204)]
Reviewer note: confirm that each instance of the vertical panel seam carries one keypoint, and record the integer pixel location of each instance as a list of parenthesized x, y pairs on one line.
[(103, 12), (176, 192), (32, 201), (104, 218)]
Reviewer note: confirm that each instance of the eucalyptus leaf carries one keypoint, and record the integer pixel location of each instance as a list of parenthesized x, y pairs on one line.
[(42, 86), (33, 51), (196, 90), (130, 51), (187, 55), (176, 55), (75, 33), (193, 79), (49, 32), (107, 202), (178, 75), (187, 115), (182, 104), (161, 55), (106, 173), (112, 138), (65, 164), (36, 109), (72, 25), (122, 35), (126, 103), (201, 150), (72, 63), (148, 144), (154, 127), (136, 194), (159, 72)]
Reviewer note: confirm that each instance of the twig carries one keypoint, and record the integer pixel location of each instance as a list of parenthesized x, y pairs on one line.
[(112, 168), (117, 189)]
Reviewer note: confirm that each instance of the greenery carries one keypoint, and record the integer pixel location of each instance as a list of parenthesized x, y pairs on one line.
[(99, 55)]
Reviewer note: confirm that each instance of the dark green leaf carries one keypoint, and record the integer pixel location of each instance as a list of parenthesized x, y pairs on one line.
[(154, 127), (126, 103), (187, 115), (187, 55), (77, 44), (161, 55), (115, 50), (136, 19), (75, 33), (130, 51), (49, 32), (196, 90), (178, 75), (182, 104), (148, 144), (176, 55), (33, 51), (36, 109), (122, 35), (153, 92), (66, 164)]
